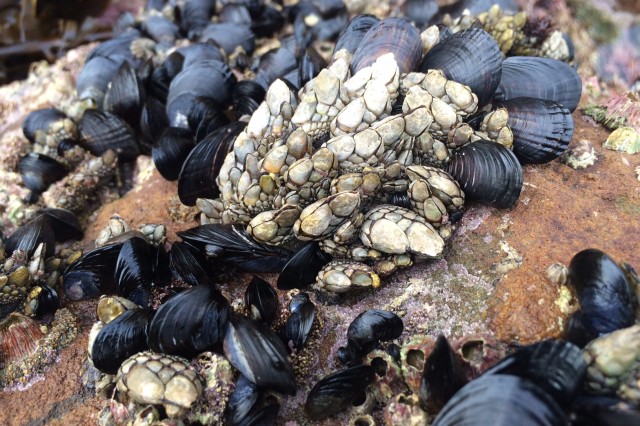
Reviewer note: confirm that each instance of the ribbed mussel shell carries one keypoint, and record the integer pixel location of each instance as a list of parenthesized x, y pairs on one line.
[(541, 129), (393, 35), (190, 322), (102, 131), (471, 57), (542, 78), (488, 173)]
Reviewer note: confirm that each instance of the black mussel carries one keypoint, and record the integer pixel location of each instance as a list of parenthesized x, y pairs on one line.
[(38, 171), (337, 391), (317, 20), (161, 77), (443, 375), (297, 301), (161, 270), (232, 38), (210, 124), (92, 273), (541, 129), (401, 200), (190, 322), (170, 150), (30, 235), (471, 57), (232, 245), (64, 223), (298, 325), (200, 169), (393, 35), (198, 52), (366, 330), (556, 366), (598, 410), (236, 14), (153, 119), (119, 339), (134, 271), (266, 20), (488, 173), (201, 108), (542, 78), (261, 300), (275, 64), (93, 80), (607, 300), (420, 12), (117, 49), (475, 7), (160, 28), (47, 301), (351, 36), (247, 96), (255, 350), (188, 265), (501, 400), (125, 96), (303, 267), (310, 65), (242, 400), (102, 131), (195, 16), (40, 119)]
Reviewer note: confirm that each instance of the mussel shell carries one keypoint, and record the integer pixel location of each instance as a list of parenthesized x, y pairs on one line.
[(541, 129), (242, 400), (599, 410), (134, 271), (556, 366), (201, 108), (266, 20), (117, 49), (160, 28), (501, 400), (393, 35), (542, 78), (442, 376), (38, 171), (255, 350), (195, 16), (208, 78), (64, 223), (92, 273), (170, 150), (162, 76), (247, 96), (188, 265), (370, 327), (262, 300), (607, 301), (48, 301), (30, 235), (351, 36), (296, 329), (200, 170), (303, 267), (93, 80), (275, 64), (102, 131), (119, 339), (210, 124), (232, 245), (471, 57), (337, 391), (230, 37), (153, 119), (190, 322), (198, 52), (235, 13), (40, 119), (420, 12), (488, 173), (310, 66), (125, 95)]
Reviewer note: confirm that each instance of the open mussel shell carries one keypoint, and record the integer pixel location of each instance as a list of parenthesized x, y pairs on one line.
[(393, 35), (488, 173), (556, 366), (134, 271), (303, 267), (471, 57), (247, 96), (40, 119), (542, 78), (64, 223), (170, 150), (442, 376), (188, 264), (501, 400), (200, 170), (38, 171), (351, 36), (298, 326), (255, 350), (119, 339), (102, 131), (92, 273), (367, 329), (230, 244), (337, 391), (30, 235), (125, 96), (541, 129), (191, 322), (262, 300), (607, 300)]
